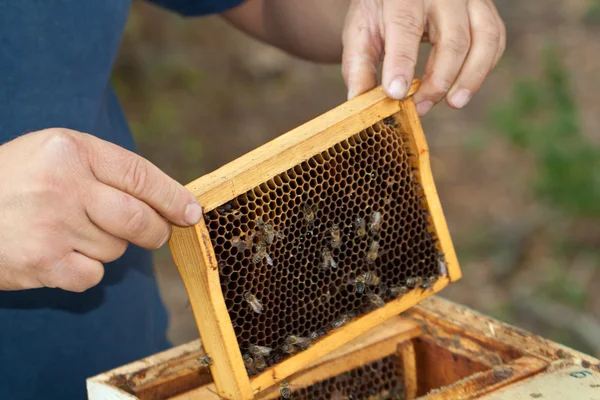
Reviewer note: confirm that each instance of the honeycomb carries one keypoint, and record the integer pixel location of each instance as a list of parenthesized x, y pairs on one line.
[(379, 380), (289, 251)]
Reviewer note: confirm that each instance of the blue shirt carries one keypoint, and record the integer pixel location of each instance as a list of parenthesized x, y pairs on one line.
[(55, 62)]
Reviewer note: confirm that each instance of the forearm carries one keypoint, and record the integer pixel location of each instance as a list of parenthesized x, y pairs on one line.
[(310, 29)]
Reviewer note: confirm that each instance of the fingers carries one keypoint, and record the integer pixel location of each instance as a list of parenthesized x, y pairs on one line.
[(136, 176), (126, 217), (361, 55), (97, 244), (502, 29), (483, 55), (75, 272), (404, 23), (451, 39)]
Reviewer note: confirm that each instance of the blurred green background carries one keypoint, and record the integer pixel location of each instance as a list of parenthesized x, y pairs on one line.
[(517, 170)]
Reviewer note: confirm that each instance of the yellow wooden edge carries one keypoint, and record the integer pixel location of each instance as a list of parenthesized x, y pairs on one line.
[(341, 336), (194, 256), (293, 147), (411, 124)]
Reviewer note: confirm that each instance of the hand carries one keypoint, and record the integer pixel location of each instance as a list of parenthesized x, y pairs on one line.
[(70, 202), (467, 36)]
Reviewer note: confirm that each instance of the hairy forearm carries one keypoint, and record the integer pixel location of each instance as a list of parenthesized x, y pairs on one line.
[(310, 29)]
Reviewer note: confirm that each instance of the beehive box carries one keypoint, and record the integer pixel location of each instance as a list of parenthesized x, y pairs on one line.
[(311, 240), (435, 350)]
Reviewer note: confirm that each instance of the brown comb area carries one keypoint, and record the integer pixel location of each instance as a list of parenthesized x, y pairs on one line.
[(378, 380), (370, 172)]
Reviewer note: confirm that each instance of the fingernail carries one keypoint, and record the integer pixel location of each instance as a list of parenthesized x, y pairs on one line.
[(350, 94), (424, 107), (397, 88), (461, 98), (193, 213)]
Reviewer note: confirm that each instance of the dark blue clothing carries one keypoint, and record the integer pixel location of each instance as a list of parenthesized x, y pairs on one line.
[(55, 62)]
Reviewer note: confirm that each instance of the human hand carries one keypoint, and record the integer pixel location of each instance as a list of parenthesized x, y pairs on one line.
[(70, 202), (467, 36)]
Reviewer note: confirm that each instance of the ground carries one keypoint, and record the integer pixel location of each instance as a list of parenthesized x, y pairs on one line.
[(199, 94)]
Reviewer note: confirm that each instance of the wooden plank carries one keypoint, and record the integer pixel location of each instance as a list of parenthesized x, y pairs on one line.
[(375, 344), (290, 149), (195, 259), (435, 311), (488, 381), (411, 123), (341, 336), (408, 369)]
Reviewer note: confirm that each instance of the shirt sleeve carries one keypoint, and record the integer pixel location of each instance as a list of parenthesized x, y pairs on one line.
[(192, 8)]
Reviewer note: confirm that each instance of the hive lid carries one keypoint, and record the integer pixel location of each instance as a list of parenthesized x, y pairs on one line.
[(313, 239)]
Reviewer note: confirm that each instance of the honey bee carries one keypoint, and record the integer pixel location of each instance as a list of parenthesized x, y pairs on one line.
[(375, 223), (414, 281), (316, 335), (260, 252), (398, 291), (284, 389), (240, 243), (375, 300), (373, 252), (327, 258), (228, 209), (253, 302), (310, 214), (336, 236), (249, 363), (361, 227), (267, 231), (259, 350), (296, 340), (429, 282), (364, 280), (288, 348), (343, 320), (205, 361), (259, 362)]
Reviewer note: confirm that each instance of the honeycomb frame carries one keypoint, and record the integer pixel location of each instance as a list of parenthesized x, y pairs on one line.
[(194, 251)]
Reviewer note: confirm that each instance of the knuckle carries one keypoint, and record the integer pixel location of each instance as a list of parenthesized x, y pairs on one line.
[(59, 140), (458, 41), (136, 222), (136, 176), (408, 23)]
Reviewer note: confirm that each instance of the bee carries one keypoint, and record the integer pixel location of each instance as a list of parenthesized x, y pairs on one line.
[(414, 281), (375, 300), (205, 361), (249, 363), (253, 302), (398, 291), (310, 214), (343, 320), (316, 335), (336, 236), (274, 359), (375, 223), (288, 348), (296, 340), (284, 389), (429, 282), (364, 280), (259, 350), (260, 252), (240, 243), (228, 209), (361, 227), (259, 362), (373, 252), (327, 258), (390, 121), (267, 231)]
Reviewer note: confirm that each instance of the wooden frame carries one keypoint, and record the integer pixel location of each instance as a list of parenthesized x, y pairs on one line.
[(197, 264), (445, 351)]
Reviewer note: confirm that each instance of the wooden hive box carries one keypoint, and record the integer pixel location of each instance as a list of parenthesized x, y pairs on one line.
[(436, 350), (311, 240)]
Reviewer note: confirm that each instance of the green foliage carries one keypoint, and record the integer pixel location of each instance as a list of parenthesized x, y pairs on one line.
[(542, 119), (591, 15)]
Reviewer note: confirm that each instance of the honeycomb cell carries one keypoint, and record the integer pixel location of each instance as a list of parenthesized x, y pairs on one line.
[(288, 262)]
